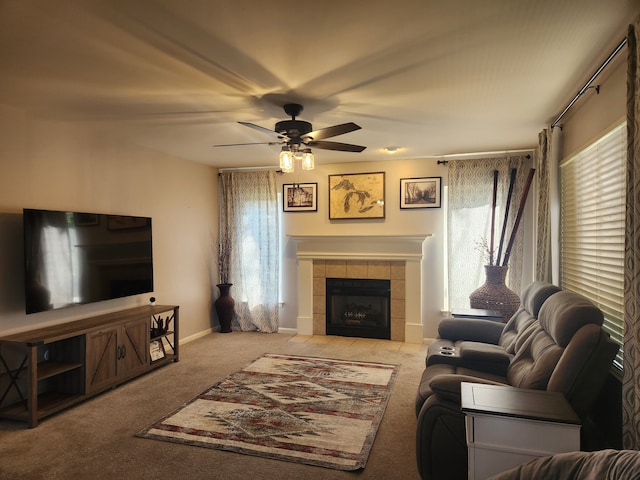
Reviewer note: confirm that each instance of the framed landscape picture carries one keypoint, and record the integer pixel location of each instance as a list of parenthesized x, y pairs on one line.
[(300, 197), (424, 192), (356, 196)]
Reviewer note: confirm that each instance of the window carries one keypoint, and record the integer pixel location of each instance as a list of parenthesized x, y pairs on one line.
[(468, 210), (592, 189), (249, 230)]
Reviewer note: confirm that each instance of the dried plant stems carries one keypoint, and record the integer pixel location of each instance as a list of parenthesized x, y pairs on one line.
[(493, 215), (523, 200), (512, 182)]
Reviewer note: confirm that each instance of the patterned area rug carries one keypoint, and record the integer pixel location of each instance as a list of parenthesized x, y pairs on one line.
[(309, 410)]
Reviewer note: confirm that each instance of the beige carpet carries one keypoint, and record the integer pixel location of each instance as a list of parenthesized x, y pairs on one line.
[(96, 440)]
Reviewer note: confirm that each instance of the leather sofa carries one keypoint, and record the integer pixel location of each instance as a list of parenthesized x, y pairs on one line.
[(599, 465), (485, 344), (555, 342)]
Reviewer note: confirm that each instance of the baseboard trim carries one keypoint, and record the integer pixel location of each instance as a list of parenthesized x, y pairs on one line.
[(196, 336), (294, 331)]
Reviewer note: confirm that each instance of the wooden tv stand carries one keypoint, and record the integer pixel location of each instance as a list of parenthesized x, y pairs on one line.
[(45, 370)]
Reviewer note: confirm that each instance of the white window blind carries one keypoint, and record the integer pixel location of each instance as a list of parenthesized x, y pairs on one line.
[(592, 227)]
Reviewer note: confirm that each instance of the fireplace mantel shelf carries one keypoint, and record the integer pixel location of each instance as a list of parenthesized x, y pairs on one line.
[(360, 247)]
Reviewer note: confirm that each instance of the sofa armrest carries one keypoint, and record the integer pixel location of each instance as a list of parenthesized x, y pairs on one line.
[(448, 385), (471, 329), (483, 352), (484, 357)]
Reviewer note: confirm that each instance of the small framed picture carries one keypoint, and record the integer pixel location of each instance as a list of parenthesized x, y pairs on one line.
[(424, 192), (156, 349), (300, 197)]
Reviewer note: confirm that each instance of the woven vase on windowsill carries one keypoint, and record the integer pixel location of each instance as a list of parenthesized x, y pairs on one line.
[(494, 294)]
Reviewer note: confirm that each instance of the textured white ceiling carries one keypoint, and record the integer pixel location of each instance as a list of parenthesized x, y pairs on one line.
[(435, 77)]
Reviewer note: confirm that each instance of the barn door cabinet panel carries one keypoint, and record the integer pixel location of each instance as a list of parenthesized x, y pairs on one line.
[(45, 370), (117, 353)]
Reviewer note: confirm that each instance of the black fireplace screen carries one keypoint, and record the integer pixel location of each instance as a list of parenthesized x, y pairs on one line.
[(358, 307)]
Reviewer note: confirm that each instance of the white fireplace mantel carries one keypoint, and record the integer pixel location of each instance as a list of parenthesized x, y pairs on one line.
[(360, 247), (407, 248)]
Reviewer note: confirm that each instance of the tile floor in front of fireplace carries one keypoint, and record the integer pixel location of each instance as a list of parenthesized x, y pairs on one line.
[(361, 342)]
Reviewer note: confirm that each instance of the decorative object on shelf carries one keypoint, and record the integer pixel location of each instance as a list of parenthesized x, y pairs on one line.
[(225, 307), (161, 326), (356, 196), (300, 197), (156, 350), (422, 192), (494, 294)]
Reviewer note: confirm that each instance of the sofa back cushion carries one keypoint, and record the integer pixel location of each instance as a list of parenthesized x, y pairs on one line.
[(543, 344), (533, 364), (533, 297), (563, 314)]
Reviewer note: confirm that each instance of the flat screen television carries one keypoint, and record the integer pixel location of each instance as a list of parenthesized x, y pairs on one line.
[(74, 258)]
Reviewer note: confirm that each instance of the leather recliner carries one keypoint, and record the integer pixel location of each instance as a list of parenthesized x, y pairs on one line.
[(485, 344), (565, 350)]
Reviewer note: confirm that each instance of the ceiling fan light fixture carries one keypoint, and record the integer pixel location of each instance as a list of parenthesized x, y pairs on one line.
[(295, 136), (286, 159), (391, 149), (307, 159)]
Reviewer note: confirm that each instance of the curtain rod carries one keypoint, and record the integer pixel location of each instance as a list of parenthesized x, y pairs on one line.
[(482, 154), (593, 77), (444, 159)]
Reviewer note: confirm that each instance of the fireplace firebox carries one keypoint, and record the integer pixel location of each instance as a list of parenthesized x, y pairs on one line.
[(358, 307)]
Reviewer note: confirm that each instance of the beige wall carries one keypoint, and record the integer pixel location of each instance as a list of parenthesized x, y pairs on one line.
[(396, 221), (79, 167), (595, 114), (64, 166)]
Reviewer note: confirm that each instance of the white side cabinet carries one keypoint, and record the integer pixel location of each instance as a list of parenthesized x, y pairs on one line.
[(508, 426)]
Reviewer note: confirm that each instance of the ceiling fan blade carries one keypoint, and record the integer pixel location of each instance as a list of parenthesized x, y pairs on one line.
[(342, 147), (253, 143), (331, 131), (263, 129)]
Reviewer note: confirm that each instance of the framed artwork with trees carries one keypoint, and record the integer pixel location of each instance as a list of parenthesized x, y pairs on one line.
[(423, 192)]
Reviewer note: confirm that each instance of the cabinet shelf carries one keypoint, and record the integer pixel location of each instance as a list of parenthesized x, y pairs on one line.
[(161, 361), (156, 337), (51, 369), (48, 403)]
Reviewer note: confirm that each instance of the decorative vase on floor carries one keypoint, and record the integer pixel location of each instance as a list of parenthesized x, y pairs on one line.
[(494, 294), (225, 305)]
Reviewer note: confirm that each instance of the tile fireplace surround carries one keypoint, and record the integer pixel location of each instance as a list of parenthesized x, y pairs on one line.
[(394, 257)]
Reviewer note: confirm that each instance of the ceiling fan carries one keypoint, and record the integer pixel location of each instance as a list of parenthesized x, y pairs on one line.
[(299, 135)]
